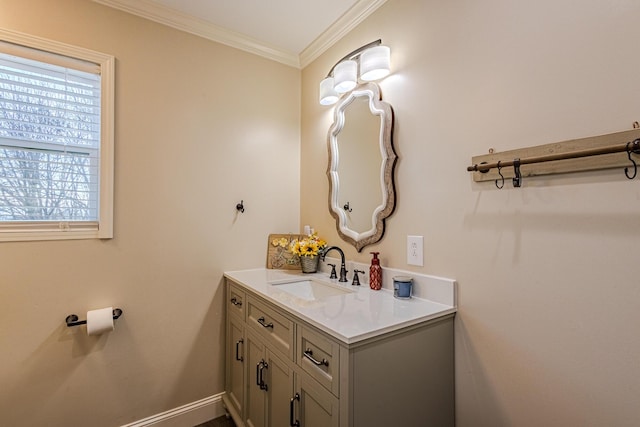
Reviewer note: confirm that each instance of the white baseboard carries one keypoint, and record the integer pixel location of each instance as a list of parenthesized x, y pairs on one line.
[(188, 415)]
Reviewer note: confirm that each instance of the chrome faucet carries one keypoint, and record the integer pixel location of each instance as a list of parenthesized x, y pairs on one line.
[(343, 267)]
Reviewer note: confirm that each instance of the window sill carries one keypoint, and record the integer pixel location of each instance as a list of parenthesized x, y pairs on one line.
[(42, 231)]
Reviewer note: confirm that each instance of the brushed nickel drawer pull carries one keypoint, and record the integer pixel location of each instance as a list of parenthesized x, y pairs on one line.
[(308, 353), (264, 324), (235, 301)]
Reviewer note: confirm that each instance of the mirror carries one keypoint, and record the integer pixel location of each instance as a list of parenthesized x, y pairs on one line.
[(361, 164)]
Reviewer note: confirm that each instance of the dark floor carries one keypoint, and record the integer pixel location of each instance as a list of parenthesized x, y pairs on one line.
[(218, 422)]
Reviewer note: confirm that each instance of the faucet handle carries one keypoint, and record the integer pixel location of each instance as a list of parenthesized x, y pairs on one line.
[(333, 271), (356, 279)]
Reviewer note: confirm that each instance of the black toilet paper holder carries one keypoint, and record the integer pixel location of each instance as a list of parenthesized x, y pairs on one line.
[(72, 319)]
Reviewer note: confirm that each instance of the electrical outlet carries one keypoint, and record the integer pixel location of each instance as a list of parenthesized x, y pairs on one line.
[(414, 250)]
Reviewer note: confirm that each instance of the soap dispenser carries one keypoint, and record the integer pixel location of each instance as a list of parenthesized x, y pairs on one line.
[(375, 273)]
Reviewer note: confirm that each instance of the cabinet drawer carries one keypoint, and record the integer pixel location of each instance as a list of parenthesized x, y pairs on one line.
[(235, 300), (275, 328), (319, 357)]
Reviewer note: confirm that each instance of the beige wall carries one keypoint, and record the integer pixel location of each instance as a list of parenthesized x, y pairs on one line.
[(199, 126), (546, 333)]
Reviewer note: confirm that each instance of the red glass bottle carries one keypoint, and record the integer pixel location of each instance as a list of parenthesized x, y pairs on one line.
[(375, 273)]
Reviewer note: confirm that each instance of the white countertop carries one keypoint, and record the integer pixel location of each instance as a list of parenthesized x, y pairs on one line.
[(360, 313)]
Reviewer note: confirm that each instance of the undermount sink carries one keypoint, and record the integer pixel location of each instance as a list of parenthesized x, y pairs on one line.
[(310, 289)]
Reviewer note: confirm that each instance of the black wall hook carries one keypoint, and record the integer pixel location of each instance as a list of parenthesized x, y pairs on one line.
[(501, 177), (240, 206), (517, 180), (635, 144), (347, 208)]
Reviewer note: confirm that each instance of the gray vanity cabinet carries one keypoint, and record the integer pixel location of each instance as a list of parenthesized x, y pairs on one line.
[(282, 371), (264, 386)]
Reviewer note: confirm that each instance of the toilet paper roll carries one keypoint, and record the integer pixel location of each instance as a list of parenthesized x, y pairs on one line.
[(100, 321)]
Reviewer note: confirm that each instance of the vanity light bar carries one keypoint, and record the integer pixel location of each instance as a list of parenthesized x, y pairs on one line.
[(374, 64)]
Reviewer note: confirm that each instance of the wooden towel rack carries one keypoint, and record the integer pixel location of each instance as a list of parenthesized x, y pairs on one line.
[(600, 152)]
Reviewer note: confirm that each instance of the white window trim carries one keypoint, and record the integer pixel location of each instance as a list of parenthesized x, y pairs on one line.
[(103, 228)]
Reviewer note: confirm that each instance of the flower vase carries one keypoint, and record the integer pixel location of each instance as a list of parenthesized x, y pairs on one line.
[(309, 264)]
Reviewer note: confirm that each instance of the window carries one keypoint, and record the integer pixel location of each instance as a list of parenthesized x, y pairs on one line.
[(56, 140)]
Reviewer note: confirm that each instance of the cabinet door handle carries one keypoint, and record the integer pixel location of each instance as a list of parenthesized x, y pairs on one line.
[(239, 358), (264, 323), (309, 355), (259, 369), (263, 385), (258, 373), (235, 301), (292, 422)]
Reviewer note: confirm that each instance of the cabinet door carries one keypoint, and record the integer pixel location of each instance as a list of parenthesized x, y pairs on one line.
[(313, 405), (255, 411), (280, 389), (235, 363)]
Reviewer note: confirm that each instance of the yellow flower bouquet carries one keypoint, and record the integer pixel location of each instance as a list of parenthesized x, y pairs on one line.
[(310, 246), (307, 250)]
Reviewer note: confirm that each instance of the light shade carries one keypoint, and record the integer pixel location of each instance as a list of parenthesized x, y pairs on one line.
[(375, 63), (328, 94), (346, 76)]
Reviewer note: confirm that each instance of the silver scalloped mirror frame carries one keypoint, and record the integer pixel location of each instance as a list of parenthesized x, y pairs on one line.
[(389, 158)]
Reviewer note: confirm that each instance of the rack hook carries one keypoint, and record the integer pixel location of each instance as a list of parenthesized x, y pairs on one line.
[(635, 166), (499, 187), (240, 206), (347, 208), (517, 180)]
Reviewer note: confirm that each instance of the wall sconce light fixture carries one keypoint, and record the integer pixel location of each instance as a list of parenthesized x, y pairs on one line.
[(374, 60)]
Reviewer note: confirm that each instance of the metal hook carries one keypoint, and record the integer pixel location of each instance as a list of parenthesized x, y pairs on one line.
[(347, 208), (501, 176), (635, 166), (240, 206), (517, 180)]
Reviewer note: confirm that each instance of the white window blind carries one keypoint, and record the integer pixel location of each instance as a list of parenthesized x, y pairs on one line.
[(49, 142), (56, 140)]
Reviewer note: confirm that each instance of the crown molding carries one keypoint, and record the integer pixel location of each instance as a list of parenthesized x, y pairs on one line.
[(347, 22), (199, 27)]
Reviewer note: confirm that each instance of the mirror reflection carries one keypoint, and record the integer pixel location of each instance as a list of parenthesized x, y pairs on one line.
[(361, 162), (359, 165)]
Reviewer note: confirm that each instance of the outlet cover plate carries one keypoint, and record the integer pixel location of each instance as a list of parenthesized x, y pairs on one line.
[(415, 246)]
